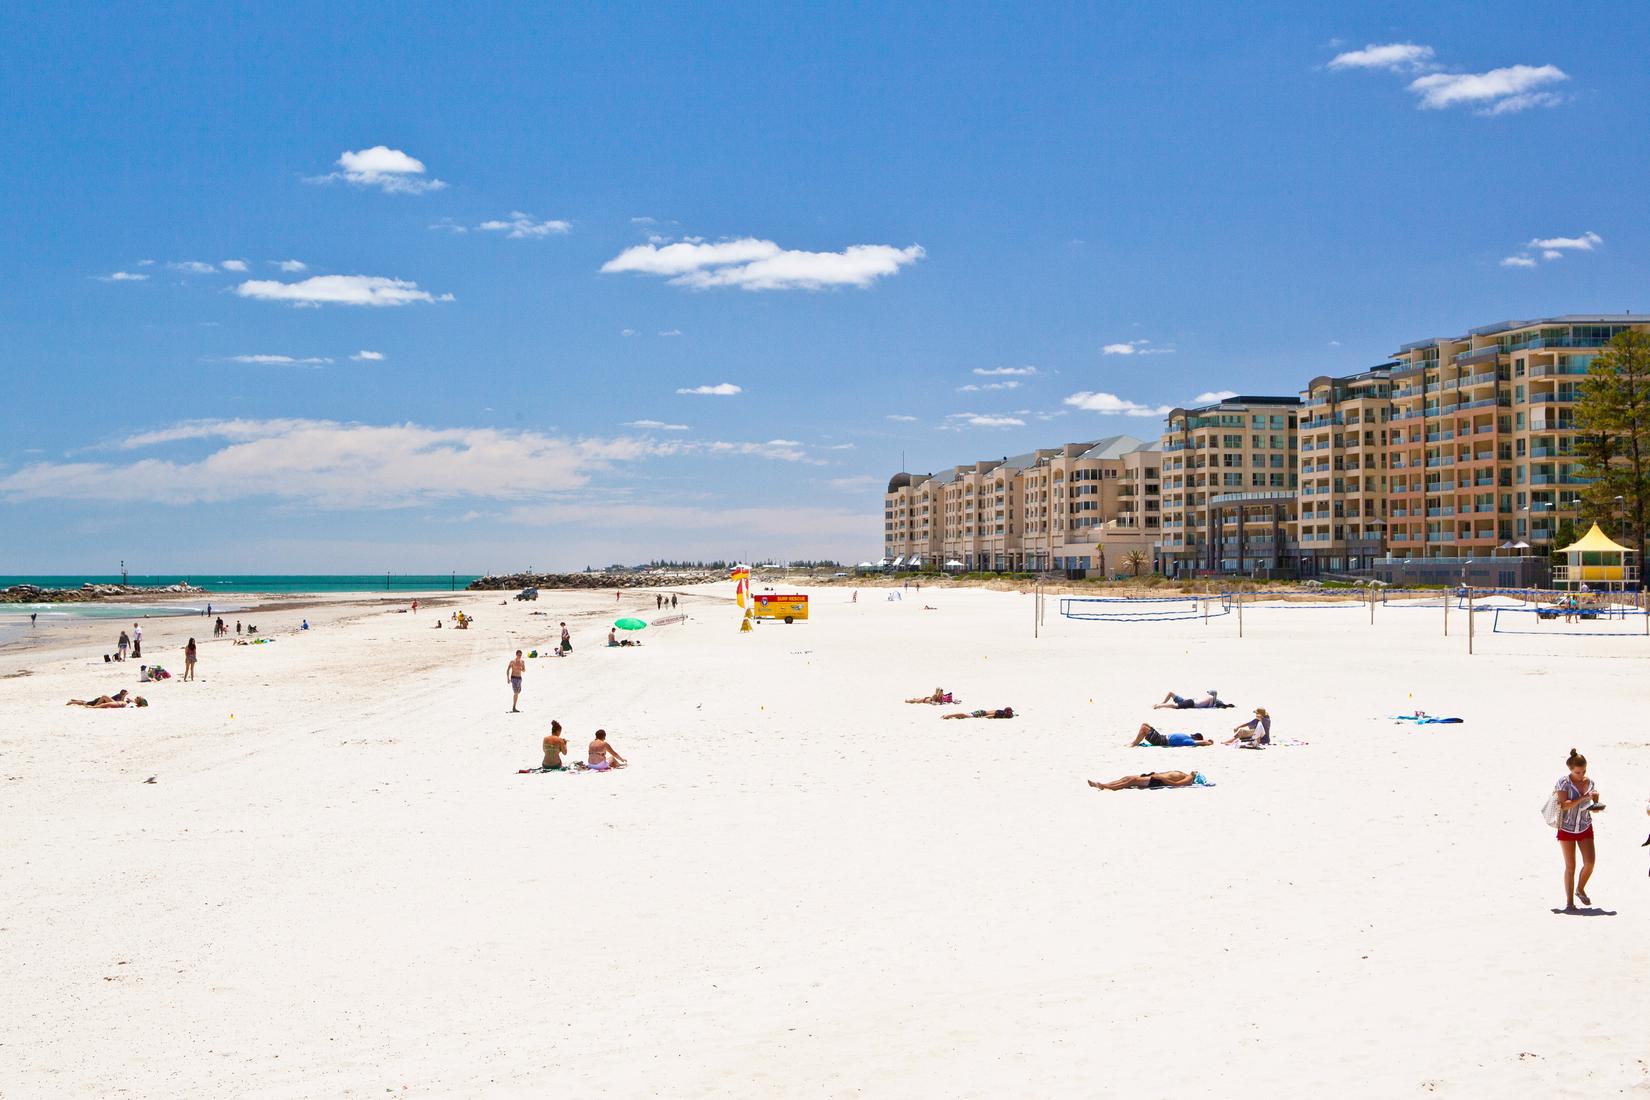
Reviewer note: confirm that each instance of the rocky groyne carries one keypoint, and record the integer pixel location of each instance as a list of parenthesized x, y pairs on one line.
[(673, 578), (92, 593)]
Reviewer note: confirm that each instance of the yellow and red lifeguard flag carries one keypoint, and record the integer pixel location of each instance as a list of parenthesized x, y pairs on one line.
[(741, 577)]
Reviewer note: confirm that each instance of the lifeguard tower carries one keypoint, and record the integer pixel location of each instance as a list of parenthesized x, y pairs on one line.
[(1597, 561)]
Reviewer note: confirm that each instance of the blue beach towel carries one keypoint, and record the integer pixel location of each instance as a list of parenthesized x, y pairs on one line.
[(1427, 720)]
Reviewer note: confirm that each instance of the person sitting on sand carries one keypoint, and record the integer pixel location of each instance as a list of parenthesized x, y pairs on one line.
[(612, 637), (940, 696), (1002, 712), (554, 745), (602, 755), (1210, 701), (1149, 736), (1149, 781), (1255, 732)]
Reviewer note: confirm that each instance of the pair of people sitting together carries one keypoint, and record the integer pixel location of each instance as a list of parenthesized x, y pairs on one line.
[(614, 640), (600, 756), (1254, 734), (118, 701)]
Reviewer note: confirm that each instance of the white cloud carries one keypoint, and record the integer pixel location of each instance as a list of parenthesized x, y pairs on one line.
[(722, 389), (1005, 372), (977, 420), (628, 332), (1134, 347), (193, 267), (447, 225), (1584, 243), (121, 277), (521, 226), (365, 356), (1334, 343), (856, 484), (971, 388), (280, 360), (1394, 56), (332, 465), (670, 332), (233, 265), (1518, 261), (349, 290), (901, 419), (784, 443), (753, 264), (1552, 254), (1499, 91), (290, 265), (656, 426), (389, 170), (1114, 405), (1212, 396), (842, 447)]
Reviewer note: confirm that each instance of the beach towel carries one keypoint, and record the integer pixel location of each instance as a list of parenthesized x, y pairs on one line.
[(541, 771), (1427, 720)]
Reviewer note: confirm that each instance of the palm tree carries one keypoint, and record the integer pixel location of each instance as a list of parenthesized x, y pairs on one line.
[(1136, 561)]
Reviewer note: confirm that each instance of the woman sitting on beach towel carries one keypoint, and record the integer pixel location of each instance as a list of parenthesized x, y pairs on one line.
[(940, 696), (1172, 701), (1003, 712), (603, 756), (1150, 781), (1148, 735), (1255, 732)]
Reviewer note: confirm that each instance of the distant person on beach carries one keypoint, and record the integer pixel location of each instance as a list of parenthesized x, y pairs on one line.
[(189, 660), (554, 745), (613, 636), (1001, 712), (1149, 781), (514, 673), (940, 696), (1172, 701), (602, 755), (1148, 735), (33, 615), (122, 646), (1577, 799), (1255, 732), (658, 601), (137, 641), (616, 596), (673, 601), (237, 626), (415, 607), (566, 639), (207, 614)]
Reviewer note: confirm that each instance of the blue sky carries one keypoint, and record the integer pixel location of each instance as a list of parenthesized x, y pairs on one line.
[(848, 213)]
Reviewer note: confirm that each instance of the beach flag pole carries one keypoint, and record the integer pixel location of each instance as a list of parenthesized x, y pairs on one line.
[(1447, 595), (1239, 598), (1371, 605), (1036, 594), (1469, 622)]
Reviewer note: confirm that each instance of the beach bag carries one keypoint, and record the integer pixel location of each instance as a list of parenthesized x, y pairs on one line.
[(1550, 812)]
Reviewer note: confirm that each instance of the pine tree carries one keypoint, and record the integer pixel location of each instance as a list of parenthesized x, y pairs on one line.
[(1613, 439)]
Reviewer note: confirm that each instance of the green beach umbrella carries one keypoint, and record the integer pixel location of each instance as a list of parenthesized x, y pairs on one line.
[(630, 624)]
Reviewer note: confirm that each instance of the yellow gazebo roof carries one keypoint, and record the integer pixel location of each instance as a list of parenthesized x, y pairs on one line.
[(1594, 542)]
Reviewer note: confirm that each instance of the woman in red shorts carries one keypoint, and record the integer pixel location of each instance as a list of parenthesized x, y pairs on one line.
[(1577, 801)]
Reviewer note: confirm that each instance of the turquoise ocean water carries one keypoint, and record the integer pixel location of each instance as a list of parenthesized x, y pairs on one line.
[(224, 592), (227, 583)]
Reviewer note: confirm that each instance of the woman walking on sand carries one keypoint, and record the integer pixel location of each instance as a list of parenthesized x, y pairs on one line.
[(189, 660), (1577, 800)]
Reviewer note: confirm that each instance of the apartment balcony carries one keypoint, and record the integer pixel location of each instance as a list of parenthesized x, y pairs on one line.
[(1435, 437), (1443, 460), (1561, 342), (1543, 479), (1547, 370), (1477, 355), (1550, 398), (1551, 452), (1321, 422), (1552, 426), (1575, 479), (1440, 511), (1485, 429)]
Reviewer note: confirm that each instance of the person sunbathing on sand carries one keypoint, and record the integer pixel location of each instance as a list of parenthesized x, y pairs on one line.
[(1172, 701), (1150, 736), (1002, 712), (940, 696), (117, 701), (602, 755), (554, 745), (1148, 781), (1255, 732)]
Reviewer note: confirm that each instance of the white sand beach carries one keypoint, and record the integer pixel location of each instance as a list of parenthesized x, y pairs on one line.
[(338, 884)]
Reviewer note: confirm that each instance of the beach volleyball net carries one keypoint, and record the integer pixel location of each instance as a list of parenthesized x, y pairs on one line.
[(1144, 609), (1609, 621)]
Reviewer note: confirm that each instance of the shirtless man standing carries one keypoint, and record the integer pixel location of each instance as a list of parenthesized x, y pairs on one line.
[(602, 755), (514, 673), (554, 745)]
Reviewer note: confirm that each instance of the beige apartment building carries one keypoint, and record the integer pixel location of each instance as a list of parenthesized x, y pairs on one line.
[(1482, 435), (1341, 519), (1230, 488), (1078, 507)]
